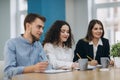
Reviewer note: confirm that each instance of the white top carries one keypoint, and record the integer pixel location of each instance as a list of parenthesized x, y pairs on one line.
[(59, 57), (95, 47)]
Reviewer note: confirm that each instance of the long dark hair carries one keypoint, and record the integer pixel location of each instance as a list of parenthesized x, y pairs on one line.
[(53, 34), (92, 23)]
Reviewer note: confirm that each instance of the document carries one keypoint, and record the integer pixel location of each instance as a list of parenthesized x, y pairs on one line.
[(89, 67), (93, 67), (104, 69), (55, 71)]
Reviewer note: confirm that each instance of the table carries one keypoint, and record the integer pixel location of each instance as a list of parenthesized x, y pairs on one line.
[(112, 74)]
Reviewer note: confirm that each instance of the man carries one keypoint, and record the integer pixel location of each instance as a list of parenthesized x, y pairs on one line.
[(25, 54)]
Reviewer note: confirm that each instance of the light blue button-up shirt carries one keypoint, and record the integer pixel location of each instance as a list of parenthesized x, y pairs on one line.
[(19, 53)]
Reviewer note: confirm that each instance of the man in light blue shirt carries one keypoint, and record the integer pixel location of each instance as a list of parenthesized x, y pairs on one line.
[(25, 54)]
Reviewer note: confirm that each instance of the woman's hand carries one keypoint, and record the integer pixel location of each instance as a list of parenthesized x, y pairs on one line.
[(111, 62), (93, 63), (75, 65)]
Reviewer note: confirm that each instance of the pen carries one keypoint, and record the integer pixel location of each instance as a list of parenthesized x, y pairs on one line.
[(89, 58), (78, 55), (41, 58)]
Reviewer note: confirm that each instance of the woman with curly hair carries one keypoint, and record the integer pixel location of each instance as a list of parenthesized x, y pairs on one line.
[(58, 45)]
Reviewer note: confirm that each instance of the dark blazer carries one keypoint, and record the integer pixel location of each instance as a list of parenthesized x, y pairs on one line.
[(83, 49)]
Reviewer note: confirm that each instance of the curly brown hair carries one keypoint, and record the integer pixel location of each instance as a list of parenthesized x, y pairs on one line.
[(53, 34)]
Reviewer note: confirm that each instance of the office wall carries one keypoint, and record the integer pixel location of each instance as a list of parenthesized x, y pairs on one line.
[(77, 16), (4, 24), (51, 9), (81, 18)]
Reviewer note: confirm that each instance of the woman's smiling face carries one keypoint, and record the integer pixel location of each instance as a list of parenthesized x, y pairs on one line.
[(97, 31), (64, 33)]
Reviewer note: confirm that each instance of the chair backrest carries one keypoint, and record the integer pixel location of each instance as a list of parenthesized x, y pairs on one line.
[(1, 69)]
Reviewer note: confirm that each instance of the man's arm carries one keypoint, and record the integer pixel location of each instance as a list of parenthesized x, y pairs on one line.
[(39, 67), (10, 60)]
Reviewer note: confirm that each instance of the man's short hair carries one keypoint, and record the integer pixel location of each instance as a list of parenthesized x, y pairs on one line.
[(31, 17)]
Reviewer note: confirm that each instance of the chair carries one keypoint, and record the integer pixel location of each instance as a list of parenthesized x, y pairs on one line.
[(1, 69)]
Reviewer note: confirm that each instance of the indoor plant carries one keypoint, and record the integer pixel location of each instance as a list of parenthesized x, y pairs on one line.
[(115, 52)]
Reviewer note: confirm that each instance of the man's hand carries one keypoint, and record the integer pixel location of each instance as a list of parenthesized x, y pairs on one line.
[(41, 66)]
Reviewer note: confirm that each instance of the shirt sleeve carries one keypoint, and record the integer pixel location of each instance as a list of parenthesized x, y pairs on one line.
[(56, 63), (43, 57), (42, 54), (10, 60)]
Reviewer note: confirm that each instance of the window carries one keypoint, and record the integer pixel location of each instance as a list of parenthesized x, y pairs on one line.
[(18, 13), (106, 1), (108, 12), (21, 13)]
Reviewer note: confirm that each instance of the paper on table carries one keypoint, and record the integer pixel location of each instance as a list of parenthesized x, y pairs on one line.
[(104, 69), (93, 67), (56, 71)]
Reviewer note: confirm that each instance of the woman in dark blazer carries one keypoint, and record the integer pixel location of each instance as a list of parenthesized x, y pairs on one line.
[(93, 45)]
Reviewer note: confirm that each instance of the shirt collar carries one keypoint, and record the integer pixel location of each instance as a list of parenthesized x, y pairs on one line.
[(99, 42), (25, 40)]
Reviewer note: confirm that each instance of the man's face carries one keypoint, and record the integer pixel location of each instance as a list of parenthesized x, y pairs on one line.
[(36, 29)]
